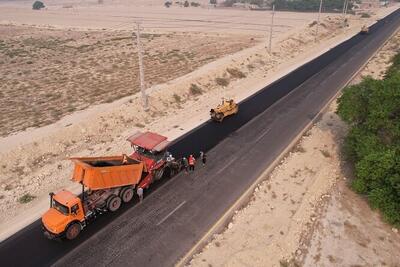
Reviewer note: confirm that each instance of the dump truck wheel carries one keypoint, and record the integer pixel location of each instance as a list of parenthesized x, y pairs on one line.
[(167, 173), (158, 174), (73, 231), (113, 203), (127, 195)]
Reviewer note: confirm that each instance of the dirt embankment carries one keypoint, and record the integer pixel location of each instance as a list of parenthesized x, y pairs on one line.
[(304, 213), (35, 162), (349, 233)]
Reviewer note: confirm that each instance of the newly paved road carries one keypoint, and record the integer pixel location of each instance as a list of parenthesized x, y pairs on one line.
[(179, 213), (176, 215)]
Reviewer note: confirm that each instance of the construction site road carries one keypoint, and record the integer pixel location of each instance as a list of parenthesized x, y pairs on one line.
[(175, 216)]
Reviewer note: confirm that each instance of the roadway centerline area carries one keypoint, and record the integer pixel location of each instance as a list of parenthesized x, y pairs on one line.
[(169, 214)]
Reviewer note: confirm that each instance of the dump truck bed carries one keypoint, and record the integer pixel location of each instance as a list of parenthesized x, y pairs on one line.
[(106, 172)]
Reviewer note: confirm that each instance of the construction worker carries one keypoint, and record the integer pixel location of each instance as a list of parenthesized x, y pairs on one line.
[(203, 158), (124, 159), (192, 162), (139, 192), (185, 164), (170, 158)]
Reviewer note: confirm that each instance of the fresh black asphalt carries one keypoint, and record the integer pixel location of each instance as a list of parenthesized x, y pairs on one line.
[(177, 212)]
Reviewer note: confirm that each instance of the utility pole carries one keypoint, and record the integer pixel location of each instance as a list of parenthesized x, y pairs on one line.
[(319, 14), (345, 10), (345, 3), (272, 25), (145, 100), (344, 6)]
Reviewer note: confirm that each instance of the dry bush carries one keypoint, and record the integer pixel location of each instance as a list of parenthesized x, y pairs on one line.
[(177, 98), (195, 89), (326, 153), (235, 73), (26, 198), (222, 81)]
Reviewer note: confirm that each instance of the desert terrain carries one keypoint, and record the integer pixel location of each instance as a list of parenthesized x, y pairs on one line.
[(61, 71), (123, 14), (304, 213), (86, 116)]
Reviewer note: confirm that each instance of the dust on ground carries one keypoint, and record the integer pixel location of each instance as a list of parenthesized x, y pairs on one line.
[(36, 162), (304, 213), (47, 74)]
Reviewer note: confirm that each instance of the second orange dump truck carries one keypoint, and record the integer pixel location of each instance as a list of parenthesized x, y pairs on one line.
[(107, 182)]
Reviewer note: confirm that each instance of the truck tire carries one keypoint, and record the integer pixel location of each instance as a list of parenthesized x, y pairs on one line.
[(126, 194), (73, 231), (158, 174), (167, 172), (113, 203)]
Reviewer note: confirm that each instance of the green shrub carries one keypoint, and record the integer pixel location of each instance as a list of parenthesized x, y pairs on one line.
[(372, 109), (186, 4), (310, 5), (37, 5)]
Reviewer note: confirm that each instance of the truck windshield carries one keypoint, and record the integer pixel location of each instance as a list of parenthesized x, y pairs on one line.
[(60, 207)]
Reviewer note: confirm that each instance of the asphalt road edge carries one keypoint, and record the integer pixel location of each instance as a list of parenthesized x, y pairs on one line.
[(244, 199)]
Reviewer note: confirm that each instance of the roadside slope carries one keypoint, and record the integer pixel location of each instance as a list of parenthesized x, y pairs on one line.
[(304, 212)]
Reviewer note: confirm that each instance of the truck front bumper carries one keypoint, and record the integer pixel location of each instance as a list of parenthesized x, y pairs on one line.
[(50, 235)]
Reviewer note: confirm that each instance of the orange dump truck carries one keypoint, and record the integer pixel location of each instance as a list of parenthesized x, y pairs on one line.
[(106, 183)]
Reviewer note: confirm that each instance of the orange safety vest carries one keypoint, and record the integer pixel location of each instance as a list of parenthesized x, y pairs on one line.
[(191, 160)]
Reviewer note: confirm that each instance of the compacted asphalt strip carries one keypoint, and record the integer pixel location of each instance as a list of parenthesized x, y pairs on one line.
[(177, 212)]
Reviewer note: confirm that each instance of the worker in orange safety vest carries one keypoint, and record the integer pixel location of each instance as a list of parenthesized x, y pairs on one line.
[(192, 162)]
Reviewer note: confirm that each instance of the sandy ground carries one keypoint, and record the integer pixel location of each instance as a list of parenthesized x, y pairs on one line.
[(63, 71), (36, 161), (272, 227), (349, 233), (304, 214), (153, 16)]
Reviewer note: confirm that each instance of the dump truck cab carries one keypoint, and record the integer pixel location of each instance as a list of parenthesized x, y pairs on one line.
[(65, 216)]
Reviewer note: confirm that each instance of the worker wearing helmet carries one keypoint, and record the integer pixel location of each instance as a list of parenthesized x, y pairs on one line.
[(192, 162), (185, 164)]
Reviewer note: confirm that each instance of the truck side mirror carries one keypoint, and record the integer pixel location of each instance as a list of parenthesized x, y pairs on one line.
[(51, 194)]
